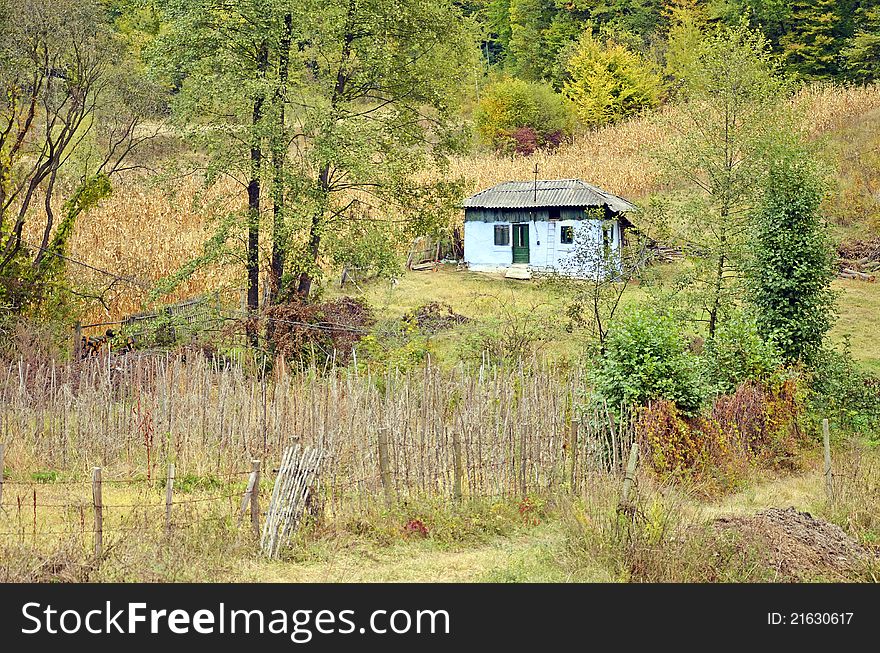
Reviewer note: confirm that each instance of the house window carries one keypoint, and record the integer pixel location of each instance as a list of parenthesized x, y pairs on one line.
[(553, 214), (566, 235), (502, 234), (608, 234)]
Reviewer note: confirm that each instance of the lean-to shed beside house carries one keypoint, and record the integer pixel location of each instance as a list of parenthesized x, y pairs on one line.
[(535, 224)]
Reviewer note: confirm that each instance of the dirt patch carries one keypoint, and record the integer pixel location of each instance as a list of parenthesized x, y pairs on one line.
[(797, 546)]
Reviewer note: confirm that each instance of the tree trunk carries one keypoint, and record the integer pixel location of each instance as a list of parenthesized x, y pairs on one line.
[(253, 191), (716, 303), (279, 160), (306, 278)]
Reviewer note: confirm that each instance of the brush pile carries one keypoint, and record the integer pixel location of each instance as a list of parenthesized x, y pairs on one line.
[(859, 259)]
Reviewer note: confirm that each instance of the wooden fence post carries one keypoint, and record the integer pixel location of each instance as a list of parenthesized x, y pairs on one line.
[(573, 446), (99, 511), (77, 341), (255, 498), (246, 499), (829, 477), (456, 465), (2, 463), (629, 479), (384, 467), (169, 490)]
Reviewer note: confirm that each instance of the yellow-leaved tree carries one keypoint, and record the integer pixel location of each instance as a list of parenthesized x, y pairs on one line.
[(607, 82)]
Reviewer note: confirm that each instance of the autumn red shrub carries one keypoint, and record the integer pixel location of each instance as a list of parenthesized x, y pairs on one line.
[(762, 424), (524, 140), (318, 331), (754, 425), (415, 527)]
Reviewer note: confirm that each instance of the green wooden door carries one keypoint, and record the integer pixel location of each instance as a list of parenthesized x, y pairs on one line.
[(521, 243)]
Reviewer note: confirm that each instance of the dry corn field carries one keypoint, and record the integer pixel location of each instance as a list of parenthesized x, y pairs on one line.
[(145, 233)]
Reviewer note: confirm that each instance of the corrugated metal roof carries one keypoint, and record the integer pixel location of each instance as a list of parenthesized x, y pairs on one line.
[(550, 192)]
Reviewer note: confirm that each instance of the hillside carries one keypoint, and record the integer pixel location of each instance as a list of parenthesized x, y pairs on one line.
[(147, 231), (430, 290)]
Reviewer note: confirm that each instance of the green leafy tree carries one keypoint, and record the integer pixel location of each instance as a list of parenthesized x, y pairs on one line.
[(642, 17), (510, 105), (607, 82), (529, 55), (793, 266), (536, 36), (646, 359), (684, 36), (217, 55), (738, 353), (862, 53), (325, 112), (731, 99), (771, 17), (810, 47)]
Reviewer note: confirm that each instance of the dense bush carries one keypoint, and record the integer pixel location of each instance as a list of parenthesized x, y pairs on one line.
[(646, 359), (315, 332), (519, 333), (518, 116), (848, 396), (755, 424), (393, 344), (762, 422), (679, 448), (608, 82), (736, 354), (790, 279)]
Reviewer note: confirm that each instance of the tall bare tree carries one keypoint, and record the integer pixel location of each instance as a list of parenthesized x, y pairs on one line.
[(69, 118)]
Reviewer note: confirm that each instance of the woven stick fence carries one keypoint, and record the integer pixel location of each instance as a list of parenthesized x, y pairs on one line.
[(486, 432)]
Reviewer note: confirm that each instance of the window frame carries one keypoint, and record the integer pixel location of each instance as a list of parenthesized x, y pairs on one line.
[(501, 228), (569, 230), (608, 235)]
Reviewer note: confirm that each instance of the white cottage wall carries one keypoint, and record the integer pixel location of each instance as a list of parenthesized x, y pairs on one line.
[(482, 254), (480, 250)]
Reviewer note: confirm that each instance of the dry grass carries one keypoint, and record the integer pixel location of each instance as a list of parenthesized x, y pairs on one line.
[(830, 106), (144, 232), (527, 555), (617, 158)]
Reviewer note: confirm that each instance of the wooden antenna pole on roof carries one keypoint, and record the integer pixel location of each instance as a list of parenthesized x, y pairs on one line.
[(536, 182)]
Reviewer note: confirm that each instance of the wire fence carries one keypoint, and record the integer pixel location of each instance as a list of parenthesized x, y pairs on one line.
[(40, 509), (34, 510)]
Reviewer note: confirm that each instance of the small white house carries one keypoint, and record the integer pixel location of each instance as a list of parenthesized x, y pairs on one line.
[(534, 225)]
